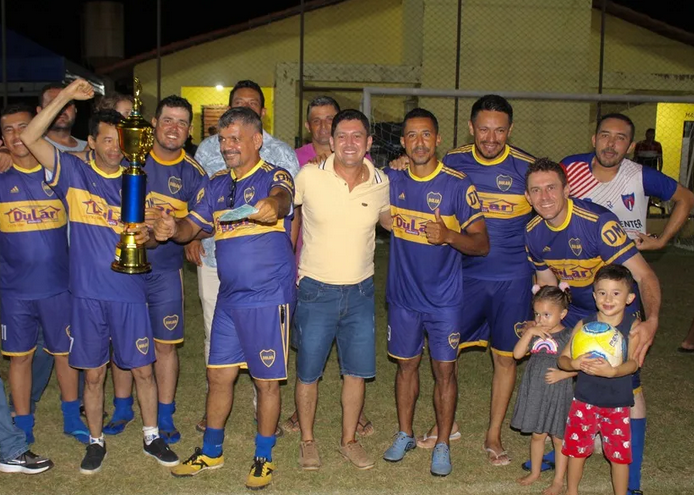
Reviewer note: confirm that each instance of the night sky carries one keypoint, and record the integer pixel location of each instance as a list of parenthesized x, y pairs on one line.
[(58, 25)]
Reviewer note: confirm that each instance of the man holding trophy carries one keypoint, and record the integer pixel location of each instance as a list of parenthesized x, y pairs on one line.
[(109, 305)]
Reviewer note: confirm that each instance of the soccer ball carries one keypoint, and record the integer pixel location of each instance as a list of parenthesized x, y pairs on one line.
[(600, 340)]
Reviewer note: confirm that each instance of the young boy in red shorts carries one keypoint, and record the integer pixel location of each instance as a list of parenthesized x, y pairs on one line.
[(603, 395)]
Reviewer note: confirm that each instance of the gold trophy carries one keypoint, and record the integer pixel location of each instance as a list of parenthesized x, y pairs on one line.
[(136, 137)]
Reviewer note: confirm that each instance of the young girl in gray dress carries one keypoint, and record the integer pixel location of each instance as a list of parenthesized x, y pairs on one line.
[(545, 393)]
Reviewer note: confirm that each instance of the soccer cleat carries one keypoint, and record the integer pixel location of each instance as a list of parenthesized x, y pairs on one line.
[(26, 463), (441, 460), (197, 463), (402, 444), (93, 459), (161, 452), (261, 474)]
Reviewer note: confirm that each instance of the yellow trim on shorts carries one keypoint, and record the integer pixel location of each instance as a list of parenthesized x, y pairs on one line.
[(235, 365), (56, 353), (638, 390), (97, 367), (173, 342), (269, 379), (476, 343), (404, 358), (19, 354), (502, 353)]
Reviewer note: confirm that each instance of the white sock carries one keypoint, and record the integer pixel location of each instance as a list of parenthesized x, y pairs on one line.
[(99, 440), (151, 433)]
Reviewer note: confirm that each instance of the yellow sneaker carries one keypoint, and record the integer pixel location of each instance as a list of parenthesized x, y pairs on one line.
[(197, 463), (261, 474)]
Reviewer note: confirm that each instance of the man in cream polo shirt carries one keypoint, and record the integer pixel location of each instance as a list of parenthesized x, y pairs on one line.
[(339, 202)]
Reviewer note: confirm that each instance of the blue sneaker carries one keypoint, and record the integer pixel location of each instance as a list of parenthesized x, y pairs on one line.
[(441, 460), (547, 463), (401, 445)]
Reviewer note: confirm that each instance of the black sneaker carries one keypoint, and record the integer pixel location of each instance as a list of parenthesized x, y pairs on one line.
[(91, 464), (161, 452), (27, 463)]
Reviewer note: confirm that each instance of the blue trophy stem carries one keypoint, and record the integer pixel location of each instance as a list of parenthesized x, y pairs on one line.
[(134, 191)]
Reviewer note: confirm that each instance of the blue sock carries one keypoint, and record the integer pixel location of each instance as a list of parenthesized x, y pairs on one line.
[(25, 423), (165, 416), (123, 408), (212, 442), (638, 441), (71, 415), (263, 446)]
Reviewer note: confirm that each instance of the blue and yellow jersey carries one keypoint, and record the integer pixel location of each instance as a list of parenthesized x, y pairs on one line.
[(500, 186), (422, 276), (93, 200), (590, 237), (33, 236), (172, 187), (255, 262)]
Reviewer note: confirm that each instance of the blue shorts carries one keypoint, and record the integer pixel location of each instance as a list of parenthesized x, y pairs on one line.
[(165, 303), (253, 338), (577, 314), (494, 311), (406, 331), (325, 313), (96, 325), (22, 318)]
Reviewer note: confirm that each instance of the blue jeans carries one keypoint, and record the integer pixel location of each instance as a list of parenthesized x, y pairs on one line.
[(12, 439), (345, 313)]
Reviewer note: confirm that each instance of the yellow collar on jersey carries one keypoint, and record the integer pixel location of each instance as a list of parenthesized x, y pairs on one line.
[(436, 172), (168, 162), (483, 161), (37, 168), (250, 172), (566, 221), (114, 175)]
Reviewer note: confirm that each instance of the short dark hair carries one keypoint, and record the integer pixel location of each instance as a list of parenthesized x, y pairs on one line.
[(420, 113), (109, 116), (618, 116), (174, 101), (492, 103), (350, 114), (48, 87), (554, 294), (321, 101), (111, 100), (13, 108), (241, 114), (650, 129), (246, 83), (545, 165), (615, 272)]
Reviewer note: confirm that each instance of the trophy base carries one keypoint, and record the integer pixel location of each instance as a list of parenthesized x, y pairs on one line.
[(131, 258)]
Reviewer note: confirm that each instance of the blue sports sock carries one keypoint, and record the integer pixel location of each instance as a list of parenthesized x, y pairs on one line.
[(212, 442), (263, 446), (638, 442), (71, 415), (25, 423), (123, 408), (165, 416)]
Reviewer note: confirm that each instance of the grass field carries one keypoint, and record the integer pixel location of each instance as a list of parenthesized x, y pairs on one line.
[(668, 382)]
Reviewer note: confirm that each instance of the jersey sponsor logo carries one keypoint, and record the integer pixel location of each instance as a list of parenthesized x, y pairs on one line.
[(434, 200), (96, 207), (24, 216), (471, 197), (504, 182), (577, 273), (454, 340), (267, 356), (575, 245), (504, 205), (632, 224), (175, 184), (49, 192), (613, 234), (410, 225), (171, 206), (14, 190), (240, 228), (284, 178), (142, 345), (170, 322), (629, 200), (248, 194)]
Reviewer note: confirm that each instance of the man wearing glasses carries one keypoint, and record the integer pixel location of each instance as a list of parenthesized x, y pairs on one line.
[(173, 180), (257, 292)]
